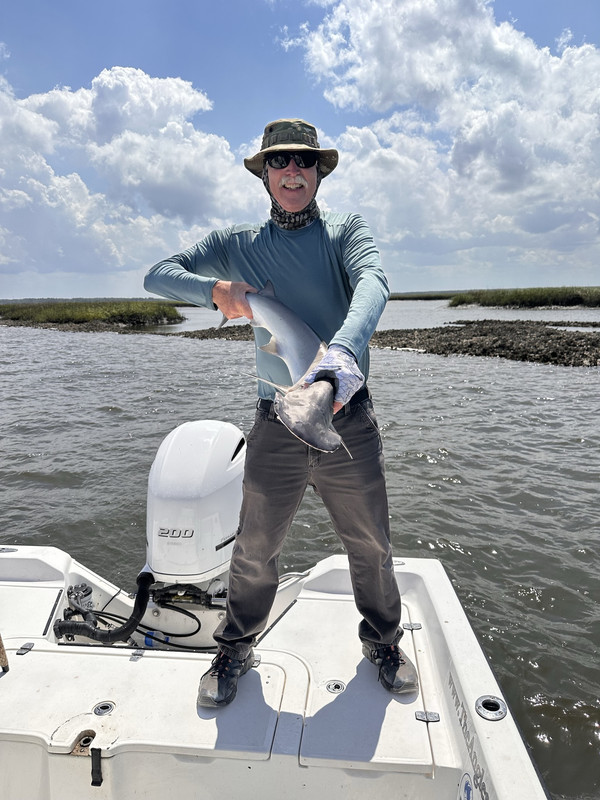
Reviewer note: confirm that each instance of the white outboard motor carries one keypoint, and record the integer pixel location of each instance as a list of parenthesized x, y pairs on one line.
[(194, 499)]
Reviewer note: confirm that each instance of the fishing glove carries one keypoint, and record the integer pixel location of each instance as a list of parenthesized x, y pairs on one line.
[(338, 365)]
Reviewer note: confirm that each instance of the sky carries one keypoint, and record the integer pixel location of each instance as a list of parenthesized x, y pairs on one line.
[(467, 130)]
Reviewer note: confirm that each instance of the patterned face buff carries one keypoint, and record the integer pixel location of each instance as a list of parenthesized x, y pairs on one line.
[(292, 220)]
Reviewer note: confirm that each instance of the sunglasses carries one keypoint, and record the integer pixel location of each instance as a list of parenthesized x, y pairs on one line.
[(303, 159)]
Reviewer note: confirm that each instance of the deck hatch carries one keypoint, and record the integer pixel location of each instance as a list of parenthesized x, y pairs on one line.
[(375, 730), (90, 678)]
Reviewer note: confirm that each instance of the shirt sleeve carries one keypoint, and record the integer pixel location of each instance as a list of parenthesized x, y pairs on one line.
[(369, 285), (191, 275)]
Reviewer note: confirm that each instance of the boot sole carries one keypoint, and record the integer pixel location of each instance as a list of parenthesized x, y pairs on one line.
[(406, 688)]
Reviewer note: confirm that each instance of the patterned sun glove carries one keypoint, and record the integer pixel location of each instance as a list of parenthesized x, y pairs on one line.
[(339, 365)]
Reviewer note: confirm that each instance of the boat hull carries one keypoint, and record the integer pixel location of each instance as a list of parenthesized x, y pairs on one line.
[(94, 721)]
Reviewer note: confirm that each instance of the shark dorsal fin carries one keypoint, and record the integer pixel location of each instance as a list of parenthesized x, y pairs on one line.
[(268, 290), (270, 347)]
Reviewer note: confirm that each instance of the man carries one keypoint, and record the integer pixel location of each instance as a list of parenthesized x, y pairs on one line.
[(326, 268)]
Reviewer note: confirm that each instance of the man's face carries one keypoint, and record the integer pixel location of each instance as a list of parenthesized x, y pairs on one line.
[(292, 186)]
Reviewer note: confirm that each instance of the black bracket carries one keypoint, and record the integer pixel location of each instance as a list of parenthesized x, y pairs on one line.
[(96, 766)]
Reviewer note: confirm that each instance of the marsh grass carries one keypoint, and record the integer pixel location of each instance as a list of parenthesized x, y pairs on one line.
[(531, 298), (132, 313)]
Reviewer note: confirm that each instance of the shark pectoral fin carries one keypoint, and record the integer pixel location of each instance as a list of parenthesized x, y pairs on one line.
[(223, 321)]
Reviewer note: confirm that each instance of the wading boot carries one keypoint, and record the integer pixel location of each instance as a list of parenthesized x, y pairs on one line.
[(396, 671), (218, 686)]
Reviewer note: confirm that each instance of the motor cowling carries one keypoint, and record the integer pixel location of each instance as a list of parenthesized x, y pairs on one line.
[(194, 500)]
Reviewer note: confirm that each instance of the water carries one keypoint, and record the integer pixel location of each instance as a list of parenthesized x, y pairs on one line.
[(493, 467), (416, 314)]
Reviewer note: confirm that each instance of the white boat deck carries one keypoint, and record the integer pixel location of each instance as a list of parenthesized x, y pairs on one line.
[(343, 693), (310, 721)]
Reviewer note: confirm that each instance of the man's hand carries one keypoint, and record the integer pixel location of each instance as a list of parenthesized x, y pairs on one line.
[(339, 365), (230, 298)]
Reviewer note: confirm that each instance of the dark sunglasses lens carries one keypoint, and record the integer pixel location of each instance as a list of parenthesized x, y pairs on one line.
[(278, 160), (303, 159)]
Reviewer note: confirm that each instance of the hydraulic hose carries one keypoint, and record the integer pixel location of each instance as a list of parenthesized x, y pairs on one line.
[(65, 627)]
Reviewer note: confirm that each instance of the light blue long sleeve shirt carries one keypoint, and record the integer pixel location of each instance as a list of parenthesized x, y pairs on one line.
[(329, 273)]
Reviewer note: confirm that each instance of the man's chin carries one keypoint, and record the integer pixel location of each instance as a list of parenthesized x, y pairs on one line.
[(293, 201)]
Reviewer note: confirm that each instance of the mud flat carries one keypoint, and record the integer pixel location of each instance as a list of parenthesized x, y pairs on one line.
[(520, 341)]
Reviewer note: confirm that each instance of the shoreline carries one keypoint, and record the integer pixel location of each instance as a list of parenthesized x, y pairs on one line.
[(533, 341)]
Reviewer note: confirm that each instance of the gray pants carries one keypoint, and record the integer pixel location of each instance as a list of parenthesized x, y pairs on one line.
[(279, 467)]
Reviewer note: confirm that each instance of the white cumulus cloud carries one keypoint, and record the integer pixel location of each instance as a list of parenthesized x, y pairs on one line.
[(102, 180), (485, 141)]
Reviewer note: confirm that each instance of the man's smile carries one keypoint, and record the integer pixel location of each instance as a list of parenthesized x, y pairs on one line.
[(293, 183)]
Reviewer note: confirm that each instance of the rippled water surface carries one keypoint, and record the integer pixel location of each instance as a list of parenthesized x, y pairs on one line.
[(493, 467)]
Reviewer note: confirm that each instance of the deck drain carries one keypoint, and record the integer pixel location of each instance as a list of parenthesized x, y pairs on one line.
[(336, 687), (490, 707), (102, 709)]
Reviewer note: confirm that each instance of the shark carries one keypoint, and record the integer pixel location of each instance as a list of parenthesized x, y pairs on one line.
[(305, 410)]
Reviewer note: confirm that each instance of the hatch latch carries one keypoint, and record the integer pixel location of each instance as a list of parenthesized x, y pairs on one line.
[(95, 752), (427, 716)]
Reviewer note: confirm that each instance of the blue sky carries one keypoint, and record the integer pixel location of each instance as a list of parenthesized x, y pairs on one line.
[(467, 132)]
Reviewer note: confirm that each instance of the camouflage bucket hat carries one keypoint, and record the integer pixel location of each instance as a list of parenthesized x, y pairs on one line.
[(290, 135)]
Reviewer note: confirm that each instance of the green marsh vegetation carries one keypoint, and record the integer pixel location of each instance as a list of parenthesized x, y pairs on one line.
[(140, 313), (132, 313), (517, 298), (530, 298)]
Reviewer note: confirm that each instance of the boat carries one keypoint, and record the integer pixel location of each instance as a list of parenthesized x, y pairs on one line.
[(98, 685)]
